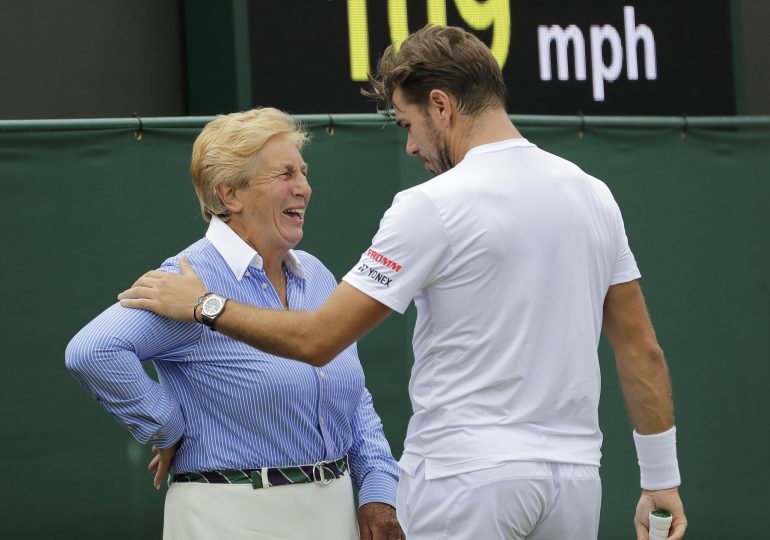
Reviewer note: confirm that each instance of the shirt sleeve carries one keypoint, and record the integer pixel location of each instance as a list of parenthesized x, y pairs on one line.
[(625, 268), (105, 357), (407, 254), (372, 466)]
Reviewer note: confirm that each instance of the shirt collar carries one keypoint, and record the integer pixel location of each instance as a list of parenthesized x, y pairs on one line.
[(239, 255), (499, 145)]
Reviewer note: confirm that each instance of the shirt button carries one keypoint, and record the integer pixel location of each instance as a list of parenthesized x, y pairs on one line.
[(155, 437), (246, 273), (130, 428), (264, 285), (321, 420), (322, 374)]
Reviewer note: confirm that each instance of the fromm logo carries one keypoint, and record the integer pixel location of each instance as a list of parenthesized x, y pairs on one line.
[(383, 260)]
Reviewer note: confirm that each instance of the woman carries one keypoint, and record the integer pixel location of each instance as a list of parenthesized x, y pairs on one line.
[(258, 446)]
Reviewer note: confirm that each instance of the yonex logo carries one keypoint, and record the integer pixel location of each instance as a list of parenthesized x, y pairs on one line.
[(379, 277), (383, 260)]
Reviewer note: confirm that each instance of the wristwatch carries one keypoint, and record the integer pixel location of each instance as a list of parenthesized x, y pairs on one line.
[(213, 306)]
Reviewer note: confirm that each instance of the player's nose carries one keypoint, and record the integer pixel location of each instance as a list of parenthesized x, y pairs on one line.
[(411, 148)]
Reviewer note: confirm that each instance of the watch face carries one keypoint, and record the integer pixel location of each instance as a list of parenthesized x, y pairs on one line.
[(212, 305)]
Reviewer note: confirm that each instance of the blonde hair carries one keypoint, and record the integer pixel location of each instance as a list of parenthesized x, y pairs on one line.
[(224, 152)]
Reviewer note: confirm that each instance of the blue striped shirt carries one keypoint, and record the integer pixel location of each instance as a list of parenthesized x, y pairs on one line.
[(232, 405)]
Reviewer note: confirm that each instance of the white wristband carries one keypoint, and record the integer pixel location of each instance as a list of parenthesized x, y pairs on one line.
[(658, 466)]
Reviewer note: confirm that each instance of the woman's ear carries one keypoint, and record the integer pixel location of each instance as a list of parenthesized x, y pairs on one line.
[(230, 198)]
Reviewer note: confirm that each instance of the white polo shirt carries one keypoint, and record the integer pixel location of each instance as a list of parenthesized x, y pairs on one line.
[(508, 257)]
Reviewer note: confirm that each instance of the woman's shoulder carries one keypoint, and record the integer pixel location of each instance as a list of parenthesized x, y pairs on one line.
[(202, 255), (309, 262), (312, 266)]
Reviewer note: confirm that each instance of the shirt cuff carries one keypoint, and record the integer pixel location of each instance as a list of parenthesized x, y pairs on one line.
[(167, 435), (379, 487)]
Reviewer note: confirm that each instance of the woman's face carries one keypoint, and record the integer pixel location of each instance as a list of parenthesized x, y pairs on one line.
[(275, 200)]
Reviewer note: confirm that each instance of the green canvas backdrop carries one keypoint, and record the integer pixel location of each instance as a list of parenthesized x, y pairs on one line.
[(88, 210)]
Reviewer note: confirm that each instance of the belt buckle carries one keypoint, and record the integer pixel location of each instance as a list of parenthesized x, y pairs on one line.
[(319, 465)]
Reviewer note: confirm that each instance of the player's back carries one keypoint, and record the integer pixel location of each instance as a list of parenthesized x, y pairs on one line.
[(507, 331)]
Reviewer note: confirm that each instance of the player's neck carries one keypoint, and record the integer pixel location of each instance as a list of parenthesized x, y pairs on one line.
[(484, 128)]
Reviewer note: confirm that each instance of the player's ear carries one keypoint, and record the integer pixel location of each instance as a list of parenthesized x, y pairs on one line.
[(441, 106)]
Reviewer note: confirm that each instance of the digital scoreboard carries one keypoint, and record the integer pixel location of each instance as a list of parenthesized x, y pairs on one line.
[(600, 57)]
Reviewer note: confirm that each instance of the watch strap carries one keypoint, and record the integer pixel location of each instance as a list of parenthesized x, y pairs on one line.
[(198, 302)]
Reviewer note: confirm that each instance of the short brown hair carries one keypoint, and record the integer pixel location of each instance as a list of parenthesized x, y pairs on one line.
[(440, 57), (224, 152)]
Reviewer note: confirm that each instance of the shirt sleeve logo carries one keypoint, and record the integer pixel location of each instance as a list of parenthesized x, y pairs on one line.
[(375, 274), (382, 259)]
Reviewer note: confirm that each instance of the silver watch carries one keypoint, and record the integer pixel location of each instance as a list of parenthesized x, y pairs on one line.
[(213, 306)]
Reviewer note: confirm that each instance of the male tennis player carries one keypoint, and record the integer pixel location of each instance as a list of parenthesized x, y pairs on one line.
[(516, 259)]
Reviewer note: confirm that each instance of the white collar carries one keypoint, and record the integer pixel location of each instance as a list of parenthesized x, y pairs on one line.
[(499, 145), (239, 255)]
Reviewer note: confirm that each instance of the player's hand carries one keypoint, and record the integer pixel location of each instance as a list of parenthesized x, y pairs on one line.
[(161, 463), (167, 294), (377, 521), (663, 499)]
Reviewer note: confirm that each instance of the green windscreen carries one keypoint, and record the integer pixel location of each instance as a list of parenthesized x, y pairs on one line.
[(88, 208)]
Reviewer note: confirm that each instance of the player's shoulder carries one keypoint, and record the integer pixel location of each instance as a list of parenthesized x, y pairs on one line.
[(419, 195), (559, 166)]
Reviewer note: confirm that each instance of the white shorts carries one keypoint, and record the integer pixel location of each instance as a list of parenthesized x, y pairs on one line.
[(517, 500), (199, 511)]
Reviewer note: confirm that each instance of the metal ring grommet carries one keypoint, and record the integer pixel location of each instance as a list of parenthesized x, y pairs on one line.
[(582, 128), (138, 132)]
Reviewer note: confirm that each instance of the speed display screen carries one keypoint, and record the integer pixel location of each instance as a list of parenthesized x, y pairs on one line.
[(602, 57)]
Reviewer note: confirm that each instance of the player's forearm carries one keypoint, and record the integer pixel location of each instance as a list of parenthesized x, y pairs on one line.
[(640, 361), (647, 391), (646, 388), (292, 334)]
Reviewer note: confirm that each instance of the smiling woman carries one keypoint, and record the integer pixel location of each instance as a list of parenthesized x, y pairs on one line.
[(268, 212), (248, 172), (228, 420)]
